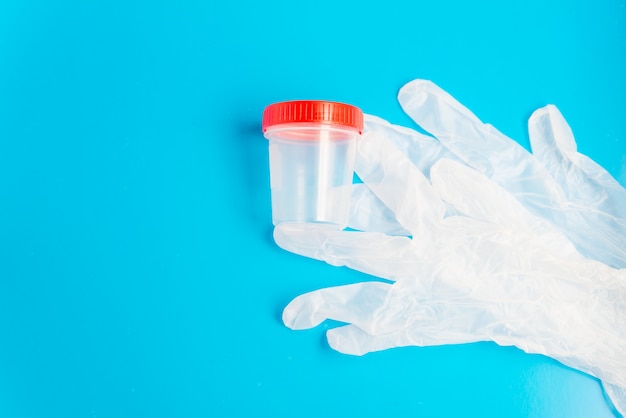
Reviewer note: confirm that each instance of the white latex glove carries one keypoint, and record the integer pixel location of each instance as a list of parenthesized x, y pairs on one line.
[(495, 273), (556, 183)]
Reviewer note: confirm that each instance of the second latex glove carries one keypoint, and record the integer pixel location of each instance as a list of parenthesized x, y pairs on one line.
[(500, 274), (555, 182)]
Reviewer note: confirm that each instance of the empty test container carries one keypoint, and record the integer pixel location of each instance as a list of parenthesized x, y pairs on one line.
[(312, 146)]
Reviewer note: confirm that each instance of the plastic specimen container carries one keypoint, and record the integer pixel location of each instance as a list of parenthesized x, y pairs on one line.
[(312, 146)]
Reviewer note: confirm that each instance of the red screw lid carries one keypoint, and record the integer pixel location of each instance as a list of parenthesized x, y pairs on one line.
[(313, 111)]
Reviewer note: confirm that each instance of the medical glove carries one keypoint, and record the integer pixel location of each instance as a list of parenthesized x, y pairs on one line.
[(488, 270), (555, 182)]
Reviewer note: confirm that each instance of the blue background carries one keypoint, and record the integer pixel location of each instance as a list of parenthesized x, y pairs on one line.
[(138, 276)]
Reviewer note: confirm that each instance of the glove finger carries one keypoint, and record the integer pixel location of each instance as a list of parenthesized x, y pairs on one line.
[(398, 183), (482, 147), (553, 143), (368, 213), (381, 255), (597, 198), (474, 195), (352, 303), (350, 339), (421, 149), (437, 112)]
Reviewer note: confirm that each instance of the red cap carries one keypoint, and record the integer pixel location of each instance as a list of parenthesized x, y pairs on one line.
[(313, 111)]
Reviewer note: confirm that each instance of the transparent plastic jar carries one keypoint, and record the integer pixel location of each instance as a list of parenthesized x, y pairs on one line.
[(312, 146)]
